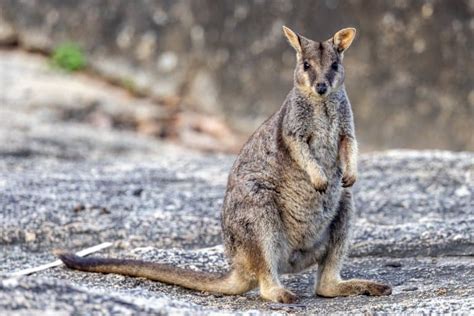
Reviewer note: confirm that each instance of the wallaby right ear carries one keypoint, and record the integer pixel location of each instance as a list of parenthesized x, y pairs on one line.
[(343, 39), (293, 38)]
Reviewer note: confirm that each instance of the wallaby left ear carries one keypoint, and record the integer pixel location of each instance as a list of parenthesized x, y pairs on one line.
[(293, 38), (343, 39)]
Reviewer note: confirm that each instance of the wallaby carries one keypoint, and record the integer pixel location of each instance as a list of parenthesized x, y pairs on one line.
[(288, 203)]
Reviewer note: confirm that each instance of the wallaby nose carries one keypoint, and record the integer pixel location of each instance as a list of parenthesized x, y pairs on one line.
[(321, 88)]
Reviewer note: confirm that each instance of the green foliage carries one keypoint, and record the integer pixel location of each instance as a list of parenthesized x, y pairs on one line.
[(129, 84), (69, 56)]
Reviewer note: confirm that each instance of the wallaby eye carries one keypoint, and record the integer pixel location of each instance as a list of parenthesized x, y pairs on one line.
[(335, 66), (306, 65)]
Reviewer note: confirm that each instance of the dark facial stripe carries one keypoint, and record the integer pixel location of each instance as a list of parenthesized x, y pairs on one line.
[(330, 75), (320, 51)]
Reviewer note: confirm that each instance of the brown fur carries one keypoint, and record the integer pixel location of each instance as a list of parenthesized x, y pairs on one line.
[(288, 203)]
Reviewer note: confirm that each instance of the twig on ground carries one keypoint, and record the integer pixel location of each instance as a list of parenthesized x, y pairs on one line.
[(56, 263)]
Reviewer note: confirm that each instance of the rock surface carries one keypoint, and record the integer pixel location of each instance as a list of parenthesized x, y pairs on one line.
[(409, 71), (414, 230)]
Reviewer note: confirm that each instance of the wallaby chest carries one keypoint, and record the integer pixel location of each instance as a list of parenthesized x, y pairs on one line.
[(308, 212), (324, 139)]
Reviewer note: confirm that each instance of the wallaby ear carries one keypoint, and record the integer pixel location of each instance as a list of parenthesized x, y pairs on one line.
[(343, 39), (293, 39)]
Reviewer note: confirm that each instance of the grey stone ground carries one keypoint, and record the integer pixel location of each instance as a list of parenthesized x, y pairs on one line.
[(72, 185)]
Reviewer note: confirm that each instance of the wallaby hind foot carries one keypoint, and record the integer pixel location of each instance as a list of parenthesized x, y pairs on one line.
[(278, 295), (353, 287)]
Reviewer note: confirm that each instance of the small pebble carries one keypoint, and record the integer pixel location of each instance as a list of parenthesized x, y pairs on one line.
[(104, 210), (410, 289), (30, 236), (393, 264), (441, 291), (137, 192), (79, 207)]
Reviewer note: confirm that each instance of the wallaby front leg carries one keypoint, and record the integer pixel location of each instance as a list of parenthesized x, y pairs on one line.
[(302, 155), (348, 154)]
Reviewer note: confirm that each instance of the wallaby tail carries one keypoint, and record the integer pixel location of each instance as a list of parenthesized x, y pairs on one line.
[(228, 283)]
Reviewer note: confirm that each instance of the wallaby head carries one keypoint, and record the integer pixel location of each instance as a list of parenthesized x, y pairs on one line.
[(319, 70)]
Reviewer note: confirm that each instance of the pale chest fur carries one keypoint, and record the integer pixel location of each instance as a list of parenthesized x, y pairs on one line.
[(324, 141)]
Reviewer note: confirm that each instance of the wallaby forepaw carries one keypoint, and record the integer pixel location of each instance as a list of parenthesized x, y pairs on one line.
[(348, 180), (320, 183), (322, 187)]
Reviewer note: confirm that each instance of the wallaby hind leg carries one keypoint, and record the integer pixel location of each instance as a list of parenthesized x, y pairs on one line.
[(270, 287), (263, 260), (329, 283), (260, 257), (272, 290)]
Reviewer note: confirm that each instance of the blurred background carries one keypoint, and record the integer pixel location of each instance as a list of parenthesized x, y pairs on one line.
[(101, 100), (206, 73)]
